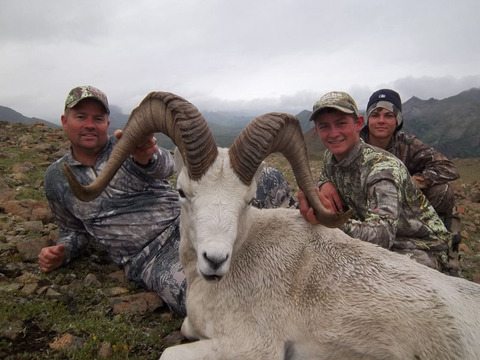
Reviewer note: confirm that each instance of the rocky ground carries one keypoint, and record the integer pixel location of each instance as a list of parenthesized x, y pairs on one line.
[(88, 309)]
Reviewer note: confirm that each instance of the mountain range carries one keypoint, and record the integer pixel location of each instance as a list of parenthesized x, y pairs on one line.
[(451, 125)]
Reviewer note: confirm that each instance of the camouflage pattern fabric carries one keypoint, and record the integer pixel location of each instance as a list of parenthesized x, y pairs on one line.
[(136, 218), (389, 209), (434, 169), (273, 191), (84, 92), (437, 172), (157, 267)]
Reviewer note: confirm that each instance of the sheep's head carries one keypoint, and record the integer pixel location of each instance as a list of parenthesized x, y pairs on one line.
[(215, 185), (211, 210)]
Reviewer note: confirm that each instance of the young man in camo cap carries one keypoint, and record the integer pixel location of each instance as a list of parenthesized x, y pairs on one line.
[(388, 208), (136, 218)]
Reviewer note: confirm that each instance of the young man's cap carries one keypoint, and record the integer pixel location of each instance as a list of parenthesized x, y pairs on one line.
[(84, 92), (387, 99), (337, 100)]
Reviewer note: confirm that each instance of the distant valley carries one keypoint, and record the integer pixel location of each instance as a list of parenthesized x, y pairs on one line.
[(451, 125)]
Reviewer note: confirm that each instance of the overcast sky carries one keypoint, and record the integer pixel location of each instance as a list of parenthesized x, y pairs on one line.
[(249, 55)]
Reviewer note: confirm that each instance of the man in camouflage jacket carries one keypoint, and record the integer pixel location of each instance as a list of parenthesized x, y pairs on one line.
[(388, 208), (136, 218)]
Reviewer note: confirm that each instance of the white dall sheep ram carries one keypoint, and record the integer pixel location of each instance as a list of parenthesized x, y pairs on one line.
[(265, 284)]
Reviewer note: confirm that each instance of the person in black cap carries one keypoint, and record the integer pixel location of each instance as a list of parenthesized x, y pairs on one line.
[(431, 170)]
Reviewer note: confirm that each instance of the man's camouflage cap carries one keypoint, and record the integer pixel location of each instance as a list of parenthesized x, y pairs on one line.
[(337, 100), (84, 92)]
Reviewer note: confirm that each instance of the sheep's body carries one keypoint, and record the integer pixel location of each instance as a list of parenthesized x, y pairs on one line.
[(295, 291)]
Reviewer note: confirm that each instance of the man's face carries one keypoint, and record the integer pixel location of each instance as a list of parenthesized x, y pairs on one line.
[(382, 123), (86, 126), (338, 131)]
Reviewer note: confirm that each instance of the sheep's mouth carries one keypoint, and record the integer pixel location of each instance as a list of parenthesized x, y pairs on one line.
[(212, 278)]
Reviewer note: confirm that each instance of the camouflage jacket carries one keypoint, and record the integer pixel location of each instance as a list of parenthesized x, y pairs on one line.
[(137, 212), (132, 215), (389, 209), (419, 158)]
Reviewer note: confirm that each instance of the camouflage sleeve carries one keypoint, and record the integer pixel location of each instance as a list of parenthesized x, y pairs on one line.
[(273, 190), (160, 168), (71, 233), (381, 216), (322, 179), (324, 174), (431, 166), (75, 242)]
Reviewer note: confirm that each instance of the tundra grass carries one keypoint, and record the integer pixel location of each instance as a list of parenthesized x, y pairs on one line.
[(87, 316)]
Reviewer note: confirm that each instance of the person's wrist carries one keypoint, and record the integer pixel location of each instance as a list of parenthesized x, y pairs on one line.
[(150, 161)]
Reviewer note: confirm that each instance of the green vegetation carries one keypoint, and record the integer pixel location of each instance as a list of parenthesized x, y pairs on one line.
[(81, 311), (86, 314)]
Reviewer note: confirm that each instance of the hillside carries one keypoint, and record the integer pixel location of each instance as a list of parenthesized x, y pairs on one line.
[(10, 115), (88, 310), (451, 125)]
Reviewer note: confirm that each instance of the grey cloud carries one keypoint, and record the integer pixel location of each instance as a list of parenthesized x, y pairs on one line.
[(234, 55)]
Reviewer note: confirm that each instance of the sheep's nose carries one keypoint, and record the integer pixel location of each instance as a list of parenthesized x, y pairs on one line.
[(215, 261)]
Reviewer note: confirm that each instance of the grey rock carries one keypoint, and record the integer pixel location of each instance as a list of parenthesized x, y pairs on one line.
[(30, 249), (91, 281), (105, 350), (34, 225), (30, 289), (50, 293), (10, 287), (10, 330)]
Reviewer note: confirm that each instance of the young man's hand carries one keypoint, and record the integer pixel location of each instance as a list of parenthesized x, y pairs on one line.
[(331, 194), (305, 209)]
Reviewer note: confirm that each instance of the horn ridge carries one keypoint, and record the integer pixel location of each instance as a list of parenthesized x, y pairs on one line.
[(162, 112), (279, 132)]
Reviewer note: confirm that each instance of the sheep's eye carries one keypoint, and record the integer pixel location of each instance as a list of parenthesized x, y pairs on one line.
[(181, 193)]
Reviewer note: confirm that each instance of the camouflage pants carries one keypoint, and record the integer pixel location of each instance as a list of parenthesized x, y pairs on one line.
[(158, 267), (442, 198), (428, 258)]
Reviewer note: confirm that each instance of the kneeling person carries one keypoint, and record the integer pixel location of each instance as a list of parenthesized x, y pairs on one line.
[(388, 208)]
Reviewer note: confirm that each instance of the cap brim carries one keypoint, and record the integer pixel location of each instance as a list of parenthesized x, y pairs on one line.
[(340, 108), (390, 107), (381, 104), (75, 102)]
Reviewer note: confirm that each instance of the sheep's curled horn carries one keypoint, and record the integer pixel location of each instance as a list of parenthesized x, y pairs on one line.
[(182, 122)]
